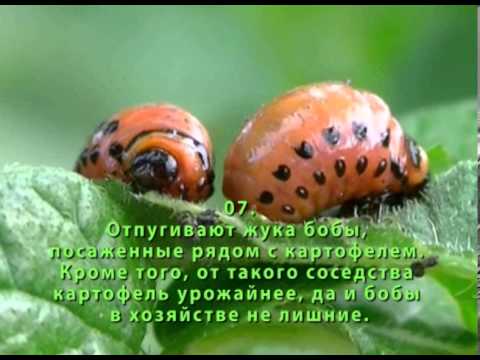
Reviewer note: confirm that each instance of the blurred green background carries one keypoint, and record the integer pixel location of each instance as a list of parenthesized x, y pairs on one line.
[(64, 69)]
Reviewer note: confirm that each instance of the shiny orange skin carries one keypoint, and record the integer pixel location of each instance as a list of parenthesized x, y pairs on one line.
[(323, 122), (155, 126)]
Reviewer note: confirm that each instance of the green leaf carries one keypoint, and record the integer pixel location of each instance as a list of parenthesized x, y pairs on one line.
[(446, 221), (439, 160), (445, 218), (435, 325), (43, 207), (413, 327), (244, 337)]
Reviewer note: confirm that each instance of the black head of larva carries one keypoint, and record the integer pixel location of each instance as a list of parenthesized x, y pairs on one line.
[(153, 170)]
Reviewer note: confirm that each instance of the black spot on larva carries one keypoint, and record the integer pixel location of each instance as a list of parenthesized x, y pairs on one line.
[(288, 209), (385, 138), (397, 170), (202, 158), (362, 164), (413, 151), (78, 167), (359, 130), (116, 151), (84, 156), (305, 150), (282, 173), (382, 165), (340, 167), (94, 156), (266, 197), (111, 127), (302, 192), (331, 135), (319, 177)]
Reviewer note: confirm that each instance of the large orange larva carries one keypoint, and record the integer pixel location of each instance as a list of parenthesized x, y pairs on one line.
[(319, 146), (153, 147)]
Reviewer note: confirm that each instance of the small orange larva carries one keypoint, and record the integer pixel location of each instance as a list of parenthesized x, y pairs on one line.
[(152, 147)]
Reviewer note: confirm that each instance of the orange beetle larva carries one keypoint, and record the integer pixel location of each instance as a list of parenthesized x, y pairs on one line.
[(319, 146), (153, 147)]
